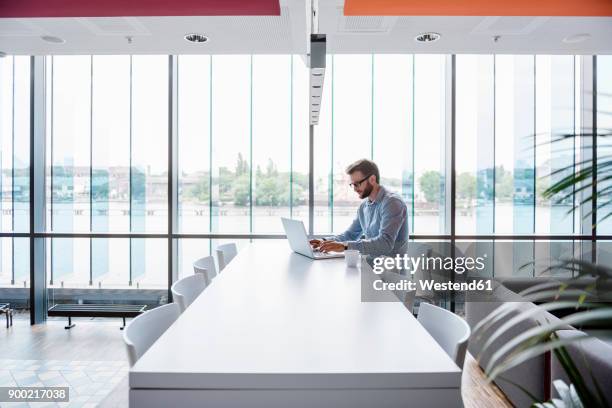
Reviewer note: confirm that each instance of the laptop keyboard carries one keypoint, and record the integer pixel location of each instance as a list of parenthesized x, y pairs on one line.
[(320, 254)]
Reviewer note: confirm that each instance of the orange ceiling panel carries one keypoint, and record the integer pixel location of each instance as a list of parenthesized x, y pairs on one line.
[(582, 8)]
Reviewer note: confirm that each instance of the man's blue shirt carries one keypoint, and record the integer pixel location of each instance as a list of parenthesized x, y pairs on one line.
[(380, 228)]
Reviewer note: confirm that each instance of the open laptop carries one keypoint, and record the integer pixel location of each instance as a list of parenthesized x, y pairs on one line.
[(298, 241)]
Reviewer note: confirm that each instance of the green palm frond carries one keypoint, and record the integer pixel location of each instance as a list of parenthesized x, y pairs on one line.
[(583, 181)]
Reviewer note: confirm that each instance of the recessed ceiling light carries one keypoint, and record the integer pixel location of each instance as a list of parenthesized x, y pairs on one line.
[(576, 38), (53, 39), (427, 37), (196, 38)]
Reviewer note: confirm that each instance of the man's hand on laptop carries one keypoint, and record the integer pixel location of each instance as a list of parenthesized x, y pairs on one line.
[(331, 246), (315, 243)]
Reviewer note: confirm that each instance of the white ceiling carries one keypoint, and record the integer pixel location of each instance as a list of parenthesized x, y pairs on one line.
[(464, 35), (288, 33), (284, 34)]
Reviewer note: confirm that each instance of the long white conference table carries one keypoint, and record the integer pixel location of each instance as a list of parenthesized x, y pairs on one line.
[(277, 329)]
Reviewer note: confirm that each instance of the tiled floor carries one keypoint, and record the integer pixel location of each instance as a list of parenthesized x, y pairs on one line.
[(89, 381), (90, 359)]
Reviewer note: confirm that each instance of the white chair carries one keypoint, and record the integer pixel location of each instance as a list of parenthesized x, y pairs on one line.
[(405, 296), (145, 329), (184, 291), (450, 331), (225, 254), (206, 266), (422, 273)]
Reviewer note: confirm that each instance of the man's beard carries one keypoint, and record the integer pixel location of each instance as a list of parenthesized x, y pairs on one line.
[(368, 190)]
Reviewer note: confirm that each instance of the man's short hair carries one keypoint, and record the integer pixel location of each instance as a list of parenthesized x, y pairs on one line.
[(366, 167)]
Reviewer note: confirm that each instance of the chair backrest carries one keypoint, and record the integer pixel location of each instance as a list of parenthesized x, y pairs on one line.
[(225, 253), (417, 250), (184, 291), (206, 266), (145, 329), (450, 331), (405, 296)]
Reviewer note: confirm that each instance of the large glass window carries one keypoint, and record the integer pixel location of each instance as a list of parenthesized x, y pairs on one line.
[(149, 165), (509, 110), (194, 158), (110, 167), (110, 144), (113, 285), (604, 142), (514, 144), (555, 115), (232, 80), (107, 151), (149, 144), (243, 142), (15, 166), (392, 121), (351, 129), (69, 158), (428, 146), (243, 154), (475, 150), (389, 108)]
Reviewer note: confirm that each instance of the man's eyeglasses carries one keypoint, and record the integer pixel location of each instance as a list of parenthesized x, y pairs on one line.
[(358, 183)]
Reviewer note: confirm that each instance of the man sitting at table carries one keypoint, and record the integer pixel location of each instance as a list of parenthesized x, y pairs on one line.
[(380, 227)]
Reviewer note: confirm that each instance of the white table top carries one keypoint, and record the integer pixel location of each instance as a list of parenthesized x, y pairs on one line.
[(276, 319)]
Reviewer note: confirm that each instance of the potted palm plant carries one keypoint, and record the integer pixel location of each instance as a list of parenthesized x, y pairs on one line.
[(583, 303)]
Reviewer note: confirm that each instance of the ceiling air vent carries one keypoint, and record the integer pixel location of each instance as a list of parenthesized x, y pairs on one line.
[(196, 38), (427, 37)]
